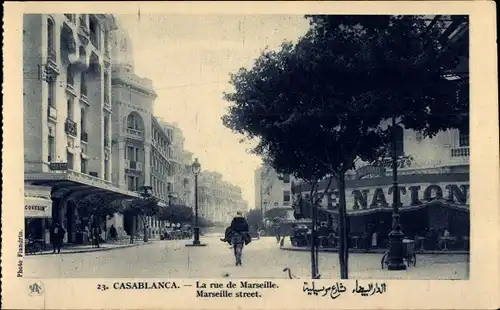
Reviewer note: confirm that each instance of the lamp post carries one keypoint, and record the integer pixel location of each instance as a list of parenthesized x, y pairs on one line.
[(196, 168), (396, 235)]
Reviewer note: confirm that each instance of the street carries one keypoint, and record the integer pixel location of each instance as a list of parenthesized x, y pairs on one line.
[(261, 259)]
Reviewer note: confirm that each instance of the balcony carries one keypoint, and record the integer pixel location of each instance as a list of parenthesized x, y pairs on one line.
[(84, 136), (52, 112), (133, 165), (94, 39), (135, 133), (106, 143), (460, 152), (70, 127)]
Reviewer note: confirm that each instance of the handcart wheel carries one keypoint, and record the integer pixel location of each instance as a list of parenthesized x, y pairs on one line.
[(383, 260)]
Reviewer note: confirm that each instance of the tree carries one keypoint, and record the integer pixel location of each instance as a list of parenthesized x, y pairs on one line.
[(176, 214), (254, 219), (320, 106), (144, 207), (98, 208), (276, 213)]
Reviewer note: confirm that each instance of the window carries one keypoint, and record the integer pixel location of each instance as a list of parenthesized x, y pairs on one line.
[(83, 166), (70, 76), (94, 32), (132, 122), (463, 137), (70, 160), (131, 183), (51, 51), (83, 85), (69, 104), (51, 93), (130, 155), (51, 148), (83, 120)]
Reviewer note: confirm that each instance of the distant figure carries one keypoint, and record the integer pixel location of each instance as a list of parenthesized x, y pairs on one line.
[(374, 239), (113, 234), (96, 235), (58, 233)]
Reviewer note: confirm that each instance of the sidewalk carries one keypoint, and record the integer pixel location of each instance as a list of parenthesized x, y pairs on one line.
[(70, 249), (351, 250)]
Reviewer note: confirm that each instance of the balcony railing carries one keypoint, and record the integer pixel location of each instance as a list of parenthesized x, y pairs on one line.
[(106, 143), (460, 152), (84, 136), (52, 112), (133, 165), (70, 127), (134, 132)]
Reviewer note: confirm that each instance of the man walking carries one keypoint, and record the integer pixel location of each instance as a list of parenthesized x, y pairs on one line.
[(58, 233)]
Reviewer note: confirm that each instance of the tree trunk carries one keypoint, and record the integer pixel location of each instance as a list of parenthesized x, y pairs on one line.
[(132, 233), (343, 233), (145, 229)]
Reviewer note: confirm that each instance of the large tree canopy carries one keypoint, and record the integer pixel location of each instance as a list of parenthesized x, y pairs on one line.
[(320, 104)]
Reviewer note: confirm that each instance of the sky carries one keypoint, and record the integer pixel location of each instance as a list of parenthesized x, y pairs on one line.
[(189, 58)]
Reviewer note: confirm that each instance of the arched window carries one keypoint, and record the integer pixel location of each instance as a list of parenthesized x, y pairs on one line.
[(132, 122), (51, 44)]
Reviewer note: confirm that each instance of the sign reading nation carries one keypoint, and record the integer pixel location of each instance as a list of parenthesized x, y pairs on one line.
[(379, 197)]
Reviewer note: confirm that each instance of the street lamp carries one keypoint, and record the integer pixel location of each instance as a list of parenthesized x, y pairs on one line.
[(170, 200), (396, 235), (196, 168)]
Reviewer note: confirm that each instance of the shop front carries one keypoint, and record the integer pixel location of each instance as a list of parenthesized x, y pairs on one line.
[(434, 209), (37, 213), (65, 190)]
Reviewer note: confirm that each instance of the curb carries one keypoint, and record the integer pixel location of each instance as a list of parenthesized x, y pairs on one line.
[(370, 252), (93, 249)]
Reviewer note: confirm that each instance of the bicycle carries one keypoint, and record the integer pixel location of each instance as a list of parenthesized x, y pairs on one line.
[(32, 247)]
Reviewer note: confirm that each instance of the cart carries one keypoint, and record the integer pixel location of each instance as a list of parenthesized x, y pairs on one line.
[(409, 256)]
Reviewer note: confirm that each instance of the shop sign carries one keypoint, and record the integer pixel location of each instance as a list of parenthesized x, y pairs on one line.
[(58, 166), (37, 207), (370, 170), (409, 195), (364, 198)]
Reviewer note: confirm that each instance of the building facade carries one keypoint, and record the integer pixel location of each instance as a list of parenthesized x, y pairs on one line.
[(142, 146), (218, 200), (272, 190), (67, 68)]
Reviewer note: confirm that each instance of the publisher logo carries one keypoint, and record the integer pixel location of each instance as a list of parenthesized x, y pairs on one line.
[(36, 289)]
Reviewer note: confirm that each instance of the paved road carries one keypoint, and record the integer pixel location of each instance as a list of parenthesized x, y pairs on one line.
[(261, 259)]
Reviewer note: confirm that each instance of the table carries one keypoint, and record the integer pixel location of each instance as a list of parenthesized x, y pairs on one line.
[(421, 241), (445, 240)]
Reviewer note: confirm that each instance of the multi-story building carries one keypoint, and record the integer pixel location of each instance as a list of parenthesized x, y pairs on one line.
[(272, 190), (433, 187), (67, 69), (142, 148), (218, 200)]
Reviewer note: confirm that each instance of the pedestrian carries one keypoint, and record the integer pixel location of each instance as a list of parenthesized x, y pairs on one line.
[(58, 233), (374, 239), (113, 234), (96, 235)]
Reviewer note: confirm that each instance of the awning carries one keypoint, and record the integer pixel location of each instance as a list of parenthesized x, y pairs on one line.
[(36, 207), (433, 203)]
